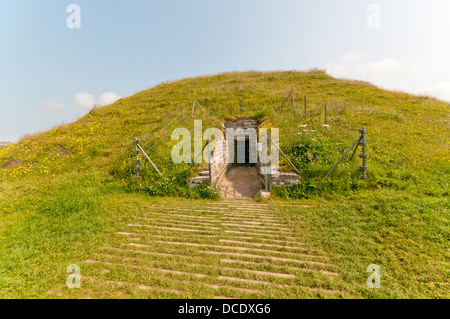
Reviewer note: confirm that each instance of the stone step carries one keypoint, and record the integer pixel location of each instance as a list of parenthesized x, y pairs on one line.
[(198, 180)]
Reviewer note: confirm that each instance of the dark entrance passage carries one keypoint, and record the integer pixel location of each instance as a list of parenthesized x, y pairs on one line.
[(242, 178), (242, 153)]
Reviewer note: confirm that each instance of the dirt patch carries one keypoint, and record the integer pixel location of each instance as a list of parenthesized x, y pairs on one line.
[(12, 163), (240, 182), (63, 153)]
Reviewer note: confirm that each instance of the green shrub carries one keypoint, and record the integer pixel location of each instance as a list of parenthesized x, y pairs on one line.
[(207, 192)]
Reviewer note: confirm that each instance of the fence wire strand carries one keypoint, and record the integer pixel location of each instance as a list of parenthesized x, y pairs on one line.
[(332, 127)]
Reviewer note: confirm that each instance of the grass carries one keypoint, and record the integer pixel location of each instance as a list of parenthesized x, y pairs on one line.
[(65, 193), (405, 235)]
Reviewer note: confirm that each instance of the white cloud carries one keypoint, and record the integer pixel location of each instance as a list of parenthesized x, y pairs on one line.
[(423, 77), (84, 100), (108, 98), (441, 89), (52, 105)]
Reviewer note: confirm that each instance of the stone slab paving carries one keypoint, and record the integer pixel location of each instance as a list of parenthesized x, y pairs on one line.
[(226, 249)]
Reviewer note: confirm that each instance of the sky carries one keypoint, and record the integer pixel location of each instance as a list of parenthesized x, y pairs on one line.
[(60, 58)]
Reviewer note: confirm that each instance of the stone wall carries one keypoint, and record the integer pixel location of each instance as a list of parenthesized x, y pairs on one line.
[(285, 179), (245, 124), (219, 163), (219, 166)]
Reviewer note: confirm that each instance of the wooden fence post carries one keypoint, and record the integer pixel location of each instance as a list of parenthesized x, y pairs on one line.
[(136, 153), (241, 102), (293, 101), (304, 102), (209, 162), (269, 137), (363, 155), (167, 124)]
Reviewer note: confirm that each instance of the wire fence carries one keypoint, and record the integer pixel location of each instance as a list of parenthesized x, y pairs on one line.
[(158, 134), (317, 160), (318, 146), (323, 145)]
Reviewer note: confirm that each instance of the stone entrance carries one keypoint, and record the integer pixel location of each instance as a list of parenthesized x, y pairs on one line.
[(241, 179), (236, 169)]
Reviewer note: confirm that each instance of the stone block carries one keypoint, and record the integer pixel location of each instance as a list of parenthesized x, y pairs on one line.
[(264, 194)]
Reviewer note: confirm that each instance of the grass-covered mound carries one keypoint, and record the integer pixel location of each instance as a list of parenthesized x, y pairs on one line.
[(62, 191)]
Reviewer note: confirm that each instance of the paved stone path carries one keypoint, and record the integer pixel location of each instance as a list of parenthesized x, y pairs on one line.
[(240, 182), (226, 249)]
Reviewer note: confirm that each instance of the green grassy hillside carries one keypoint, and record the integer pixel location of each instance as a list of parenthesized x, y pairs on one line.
[(61, 191), (406, 134)]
